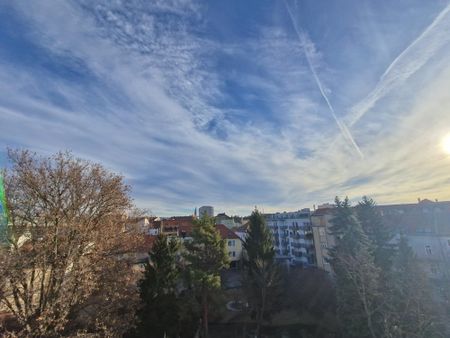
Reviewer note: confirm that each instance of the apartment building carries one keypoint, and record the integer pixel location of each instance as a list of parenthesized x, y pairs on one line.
[(293, 237), (323, 241), (426, 225)]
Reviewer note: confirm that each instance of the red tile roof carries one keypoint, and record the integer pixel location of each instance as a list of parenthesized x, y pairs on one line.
[(226, 233)]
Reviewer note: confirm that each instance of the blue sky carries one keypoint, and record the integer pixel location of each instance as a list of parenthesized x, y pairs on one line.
[(279, 104)]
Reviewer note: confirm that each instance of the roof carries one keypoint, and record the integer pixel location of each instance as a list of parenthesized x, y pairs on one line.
[(421, 218), (185, 230), (181, 218), (226, 233), (241, 228), (322, 212), (147, 243)]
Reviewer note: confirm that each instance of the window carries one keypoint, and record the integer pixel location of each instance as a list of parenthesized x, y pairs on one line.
[(428, 250), (231, 243), (232, 254), (323, 245), (322, 232)]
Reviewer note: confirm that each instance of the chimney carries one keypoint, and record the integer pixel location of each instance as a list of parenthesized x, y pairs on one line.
[(418, 200)]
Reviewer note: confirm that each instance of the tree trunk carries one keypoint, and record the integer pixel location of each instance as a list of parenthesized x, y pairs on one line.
[(205, 313), (260, 315)]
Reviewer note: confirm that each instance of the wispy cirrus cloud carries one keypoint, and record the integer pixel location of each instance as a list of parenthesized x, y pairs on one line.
[(190, 113), (407, 63), (309, 50)]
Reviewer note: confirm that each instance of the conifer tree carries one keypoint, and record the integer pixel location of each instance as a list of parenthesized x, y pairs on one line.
[(377, 232), (207, 257), (160, 313), (261, 270), (357, 277), (409, 301)]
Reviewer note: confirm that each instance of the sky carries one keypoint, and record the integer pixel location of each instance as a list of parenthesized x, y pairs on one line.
[(276, 104)]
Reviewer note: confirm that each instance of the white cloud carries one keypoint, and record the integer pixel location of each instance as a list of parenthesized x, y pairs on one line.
[(415, 56), (153, 89)]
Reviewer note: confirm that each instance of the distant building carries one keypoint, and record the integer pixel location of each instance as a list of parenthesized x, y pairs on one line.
[(177, 226), (182, 227), (206, 210), (426, 225), (323, 240), (142, 224), (233, 244), (229, 221), (293, 237), (241, 231)]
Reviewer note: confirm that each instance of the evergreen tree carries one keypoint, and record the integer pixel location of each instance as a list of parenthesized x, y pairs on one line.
[(377, 232), (409, 303), (346, 229), (261, 270), (160, 313), (357, 277), (207, 257)]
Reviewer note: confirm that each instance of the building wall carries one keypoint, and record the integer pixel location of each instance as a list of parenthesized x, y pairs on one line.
[(323, 241), (433, 253), (234, 249), (241, 234), (293, 237), (425, 224), (206, 209), (229, 223)]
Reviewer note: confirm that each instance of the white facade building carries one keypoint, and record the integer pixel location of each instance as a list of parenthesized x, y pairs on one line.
[(293, 238)]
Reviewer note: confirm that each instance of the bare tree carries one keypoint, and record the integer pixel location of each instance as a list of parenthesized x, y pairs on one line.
[(362, 292), (65, 269)]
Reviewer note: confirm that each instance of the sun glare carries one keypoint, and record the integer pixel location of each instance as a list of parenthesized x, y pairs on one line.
[(446, 144)]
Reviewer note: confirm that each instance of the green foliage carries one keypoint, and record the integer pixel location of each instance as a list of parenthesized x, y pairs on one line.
[(206, 256), (161, 311), (380, 292), (377, 232), (161, 271), (262, 272), (409, 306), (316, 296), (347, 230), (357, 277), (259, 243)]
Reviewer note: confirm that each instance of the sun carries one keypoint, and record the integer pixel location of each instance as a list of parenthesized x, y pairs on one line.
[(446, 144)]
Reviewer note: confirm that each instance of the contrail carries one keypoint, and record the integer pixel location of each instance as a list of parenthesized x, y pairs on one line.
[(427, 31), (436, 35), (342, 127)]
